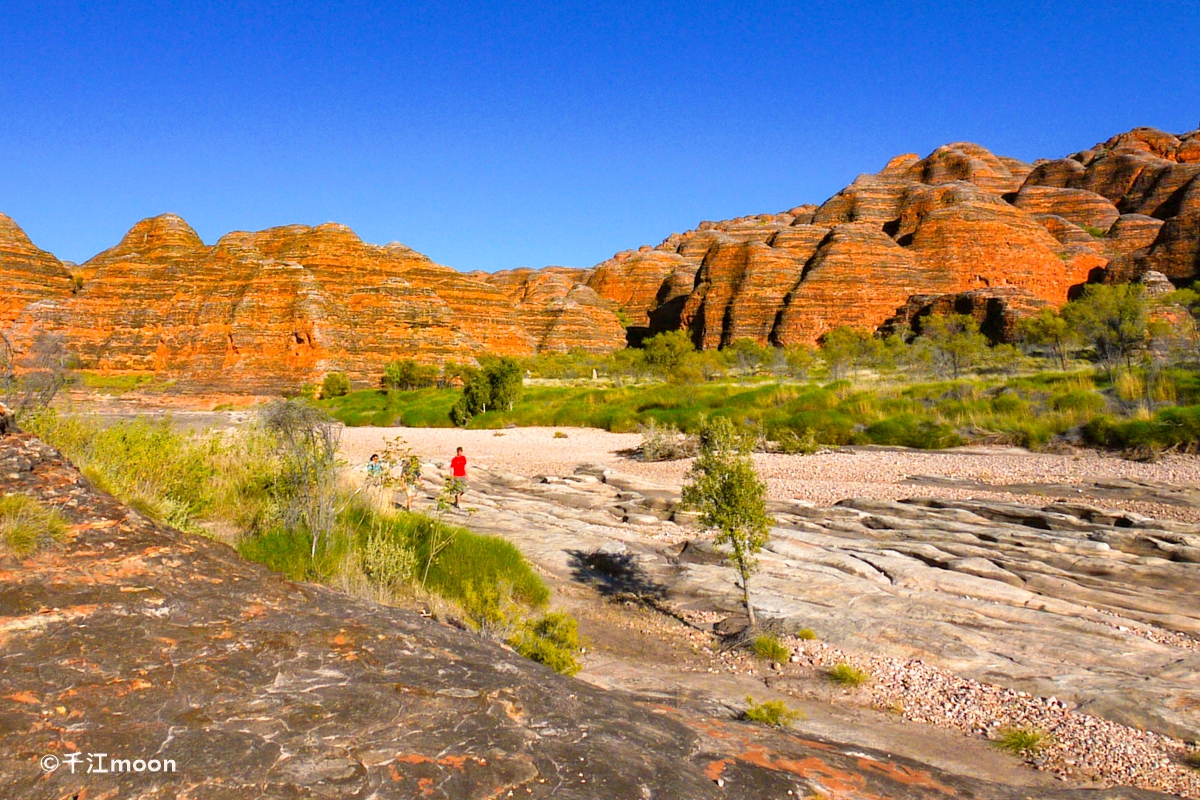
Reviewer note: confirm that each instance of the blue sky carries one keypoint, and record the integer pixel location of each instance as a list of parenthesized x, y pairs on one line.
[(491, 136)]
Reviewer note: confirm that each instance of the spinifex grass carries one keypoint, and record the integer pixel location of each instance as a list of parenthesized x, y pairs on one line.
[(768, 648), (1021, 741), (845, 674), (27, 525)]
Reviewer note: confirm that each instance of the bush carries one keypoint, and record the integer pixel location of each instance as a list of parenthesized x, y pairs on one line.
[(408, 375), (807, 634), (909, 430), (387, 559), (336, 384), (768, 648), (771, 712), (1020, 741), (848, 675), (666, 443), (553, 640), (27, 525)]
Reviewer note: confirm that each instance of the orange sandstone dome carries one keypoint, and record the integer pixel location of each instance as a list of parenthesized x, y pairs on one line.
[(961, 228)]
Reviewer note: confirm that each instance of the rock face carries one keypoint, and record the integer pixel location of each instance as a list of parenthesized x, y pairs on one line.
[(27, 273), (140, 642), (959, 221), (266, 311)]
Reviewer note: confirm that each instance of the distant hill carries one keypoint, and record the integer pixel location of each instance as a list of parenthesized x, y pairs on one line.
[(961, 228)]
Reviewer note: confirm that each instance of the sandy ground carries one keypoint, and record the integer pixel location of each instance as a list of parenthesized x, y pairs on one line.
[(822, 479)]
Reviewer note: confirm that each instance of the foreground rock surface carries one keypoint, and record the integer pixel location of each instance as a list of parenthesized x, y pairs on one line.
[(138, 641)]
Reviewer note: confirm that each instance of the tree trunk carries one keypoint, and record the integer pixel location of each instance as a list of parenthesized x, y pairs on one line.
[(749, 606)]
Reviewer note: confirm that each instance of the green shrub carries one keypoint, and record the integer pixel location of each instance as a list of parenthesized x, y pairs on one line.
[(1020, 741), (771, 712), (387, 559), (848, 675), (1081, 401), (336, 384), (553, 640), (807, 634), (27, 525), (769, 648), (908, 430)]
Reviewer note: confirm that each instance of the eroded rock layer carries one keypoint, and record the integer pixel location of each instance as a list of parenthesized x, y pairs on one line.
[(959, 222), (267, 311)]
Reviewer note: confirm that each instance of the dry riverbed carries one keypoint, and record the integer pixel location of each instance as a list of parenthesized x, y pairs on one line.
[(822, 479)]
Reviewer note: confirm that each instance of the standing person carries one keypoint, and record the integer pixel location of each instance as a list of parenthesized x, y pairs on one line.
[(374, 468), (458, 471)]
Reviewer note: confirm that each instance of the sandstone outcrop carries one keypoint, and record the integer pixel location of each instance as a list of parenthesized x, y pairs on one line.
[(27, 273), (266, 311), (140, 642), (961, 220)]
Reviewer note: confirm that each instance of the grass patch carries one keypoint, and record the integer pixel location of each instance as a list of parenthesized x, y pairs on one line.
[(1192, 759), (849, 675), (1029, 410), (1020, 741), (775, 713), (807, 634), (768, 648), (553, 640), (115, 384), (27, 525)]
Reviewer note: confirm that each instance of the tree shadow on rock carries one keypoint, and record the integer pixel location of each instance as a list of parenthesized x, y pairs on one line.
[(614, 574)]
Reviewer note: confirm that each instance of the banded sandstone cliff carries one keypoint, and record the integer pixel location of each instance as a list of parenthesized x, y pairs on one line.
[(962, 229)]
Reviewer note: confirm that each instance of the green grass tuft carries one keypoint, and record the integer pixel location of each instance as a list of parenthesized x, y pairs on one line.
[(27, 525), (807, 634), (775, 713), (1022, 741), (769, 648), (845, 674)]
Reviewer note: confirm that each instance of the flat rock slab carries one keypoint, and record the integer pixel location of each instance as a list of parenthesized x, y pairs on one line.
[(140, 642)]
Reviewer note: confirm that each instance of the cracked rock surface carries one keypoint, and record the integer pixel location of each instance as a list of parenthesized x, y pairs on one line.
[(1098, 608), (138, 641)]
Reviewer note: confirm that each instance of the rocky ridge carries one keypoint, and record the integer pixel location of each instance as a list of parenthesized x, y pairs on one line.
[(960, 229), (140, 642)]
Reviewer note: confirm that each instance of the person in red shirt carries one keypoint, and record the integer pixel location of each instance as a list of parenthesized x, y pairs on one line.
[(458, 471)]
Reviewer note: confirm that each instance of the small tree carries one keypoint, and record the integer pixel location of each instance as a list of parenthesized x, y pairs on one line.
[(725, 489), (666, 352), (798, 360), (30, 381), (843, 348), (953, 341), (407, 375), (1113, 320), (307, 441), (336, 384), (749, 355), (1048, 329), (506, 380)]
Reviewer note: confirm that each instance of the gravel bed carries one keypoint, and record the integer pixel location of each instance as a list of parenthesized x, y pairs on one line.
[(1079, 746)]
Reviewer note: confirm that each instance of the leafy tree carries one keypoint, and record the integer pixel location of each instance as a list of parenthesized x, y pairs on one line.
[(748, 354), (1048, 329), (497, 386), (1113, 320), (725, 489), (798, 360), (953, 341), (336, 384), (407, 374), (666, 352), (506, 379), (844, 348)]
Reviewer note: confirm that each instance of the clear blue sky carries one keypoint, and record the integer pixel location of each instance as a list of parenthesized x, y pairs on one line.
[(491, 136)]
